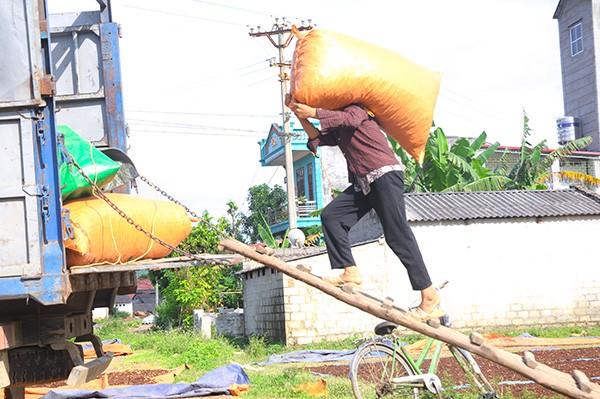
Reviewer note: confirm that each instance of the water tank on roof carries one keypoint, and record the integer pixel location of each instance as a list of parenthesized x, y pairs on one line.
[(567, 129)]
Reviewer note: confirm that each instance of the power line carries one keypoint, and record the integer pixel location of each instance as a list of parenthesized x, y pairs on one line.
[(232, 7), (202, 114), (189, 126), (226, 73), (258, 82), (251, 11), (195, 133), (214, 80), (471, 104), (232, 91), (184, 15)]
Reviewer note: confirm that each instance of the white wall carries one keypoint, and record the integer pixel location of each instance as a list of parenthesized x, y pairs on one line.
[(520, 271), (502, 272)]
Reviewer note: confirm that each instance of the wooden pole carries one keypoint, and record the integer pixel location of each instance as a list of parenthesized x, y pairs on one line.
[(548, 377)]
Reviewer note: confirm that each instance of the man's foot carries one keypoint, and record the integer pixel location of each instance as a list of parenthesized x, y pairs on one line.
[(421, 315), (429, 307), (349, 276)]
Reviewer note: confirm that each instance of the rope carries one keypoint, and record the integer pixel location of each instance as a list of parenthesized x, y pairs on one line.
[(98, 193)]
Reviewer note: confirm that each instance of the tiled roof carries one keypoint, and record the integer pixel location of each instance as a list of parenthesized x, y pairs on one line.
[(501, 204), (144, 284)]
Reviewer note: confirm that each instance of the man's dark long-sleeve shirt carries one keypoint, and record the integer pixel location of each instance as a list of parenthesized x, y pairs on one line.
[(361, 141)]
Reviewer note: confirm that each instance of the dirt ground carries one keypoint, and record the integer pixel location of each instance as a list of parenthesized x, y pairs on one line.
[(586, 360)]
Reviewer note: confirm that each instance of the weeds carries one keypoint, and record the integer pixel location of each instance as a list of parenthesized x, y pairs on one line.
[(175, 347)]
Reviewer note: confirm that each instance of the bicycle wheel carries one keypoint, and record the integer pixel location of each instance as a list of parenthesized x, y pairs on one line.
[(473, 372), (373, 370)]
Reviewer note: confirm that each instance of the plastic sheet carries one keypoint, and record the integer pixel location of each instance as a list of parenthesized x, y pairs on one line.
[(102, 236), (215, 382), (97, 166), (331, 71)]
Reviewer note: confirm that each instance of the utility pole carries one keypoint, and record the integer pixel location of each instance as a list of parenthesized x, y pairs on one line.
[(280, 30)]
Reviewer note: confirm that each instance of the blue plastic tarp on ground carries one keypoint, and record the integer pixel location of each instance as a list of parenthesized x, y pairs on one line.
[(316, 355), (310, 356), (215, 382)]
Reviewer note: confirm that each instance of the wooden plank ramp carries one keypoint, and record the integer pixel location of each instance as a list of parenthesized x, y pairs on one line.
[(574, 385)]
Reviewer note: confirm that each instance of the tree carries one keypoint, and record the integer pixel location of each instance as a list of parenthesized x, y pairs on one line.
[(264, 202), (204, 287), (235, 223)]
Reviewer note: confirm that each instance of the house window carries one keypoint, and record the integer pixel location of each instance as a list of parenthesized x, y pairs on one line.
[(309, 178), (576, 33), (300, 185)]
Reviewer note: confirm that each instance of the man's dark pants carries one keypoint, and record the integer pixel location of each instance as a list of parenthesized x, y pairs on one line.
[(387, 199)]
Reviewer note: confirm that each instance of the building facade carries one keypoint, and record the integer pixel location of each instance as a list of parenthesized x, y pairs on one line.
[(314, 176), (579, 37)]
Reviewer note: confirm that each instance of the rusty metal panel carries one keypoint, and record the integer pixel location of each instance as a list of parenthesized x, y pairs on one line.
[(88, 80), (21, 71)]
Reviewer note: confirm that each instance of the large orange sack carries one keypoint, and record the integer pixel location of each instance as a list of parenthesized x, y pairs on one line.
[(331, 71), (103, 236)]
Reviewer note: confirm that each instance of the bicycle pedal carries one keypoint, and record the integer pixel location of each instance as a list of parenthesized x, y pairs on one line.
[(432, 383)]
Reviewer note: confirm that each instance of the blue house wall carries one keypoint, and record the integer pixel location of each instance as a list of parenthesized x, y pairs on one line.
[(272, 152)]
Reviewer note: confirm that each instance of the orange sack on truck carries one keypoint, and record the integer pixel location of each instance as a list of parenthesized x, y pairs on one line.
[(104, 236), (331, 71)]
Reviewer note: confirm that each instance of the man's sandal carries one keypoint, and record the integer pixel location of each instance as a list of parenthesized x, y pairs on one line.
[(420, 315), (338, 281)]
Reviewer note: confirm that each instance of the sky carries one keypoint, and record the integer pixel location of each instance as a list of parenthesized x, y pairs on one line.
[(200, 93)]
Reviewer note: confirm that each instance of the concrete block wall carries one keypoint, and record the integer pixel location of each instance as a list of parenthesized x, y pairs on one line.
[(502, 273), (264, 304), (313, 316), (230, 323)]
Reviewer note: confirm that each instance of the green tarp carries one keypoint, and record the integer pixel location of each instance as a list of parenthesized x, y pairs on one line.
[(97, 166)]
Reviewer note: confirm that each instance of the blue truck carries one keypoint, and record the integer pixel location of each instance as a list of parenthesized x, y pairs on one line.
[(54, 70)]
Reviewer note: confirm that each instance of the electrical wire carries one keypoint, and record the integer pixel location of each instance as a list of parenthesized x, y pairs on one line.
[(211, 81), (162, 12), (197, 133), (184, 125), (468, 103), (203, 114), (231, 92), (232, 7)]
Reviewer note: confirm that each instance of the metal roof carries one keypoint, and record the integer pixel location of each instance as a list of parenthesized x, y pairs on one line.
[(422, 207)]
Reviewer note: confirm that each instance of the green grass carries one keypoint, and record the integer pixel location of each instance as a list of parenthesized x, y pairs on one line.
[(175, 348), (551, 332)]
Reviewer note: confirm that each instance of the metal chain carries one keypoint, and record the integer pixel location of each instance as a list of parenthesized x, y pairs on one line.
[(188, 210), (97, 191)]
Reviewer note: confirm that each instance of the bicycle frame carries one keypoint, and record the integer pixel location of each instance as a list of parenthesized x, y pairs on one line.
[(416, 364), (435, 358), (402, 371)]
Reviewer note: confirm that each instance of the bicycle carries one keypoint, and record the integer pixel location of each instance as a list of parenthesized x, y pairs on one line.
[(384, 368)]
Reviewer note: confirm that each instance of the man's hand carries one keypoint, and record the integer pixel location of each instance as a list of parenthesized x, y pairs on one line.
[(302, 111)]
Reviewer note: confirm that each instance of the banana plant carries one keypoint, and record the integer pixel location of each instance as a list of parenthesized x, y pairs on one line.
[(266, 235), (532, 170), (459, 167)]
